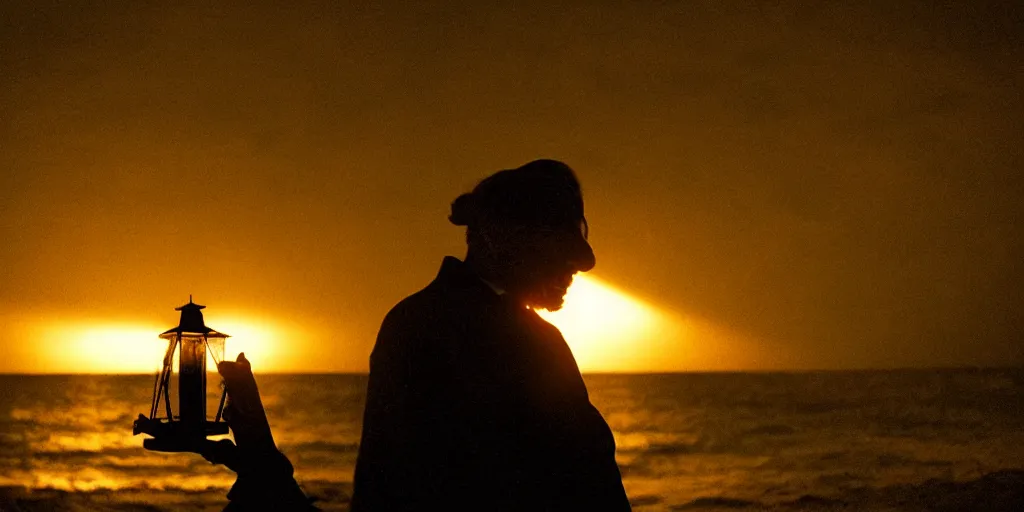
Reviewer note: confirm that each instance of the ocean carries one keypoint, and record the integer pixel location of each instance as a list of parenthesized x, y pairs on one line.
[(856, 440)]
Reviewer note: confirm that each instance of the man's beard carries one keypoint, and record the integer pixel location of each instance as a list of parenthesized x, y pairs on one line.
[(541, 287), (546, 297)]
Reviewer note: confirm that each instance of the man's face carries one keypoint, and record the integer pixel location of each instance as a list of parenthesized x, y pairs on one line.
[(543, 262)]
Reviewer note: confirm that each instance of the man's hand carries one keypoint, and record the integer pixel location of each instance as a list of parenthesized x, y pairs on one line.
[(220, 452), (244, 410), (245, 417), (265, 479)]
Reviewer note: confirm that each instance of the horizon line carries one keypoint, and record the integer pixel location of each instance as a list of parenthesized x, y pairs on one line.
[(603, 372)]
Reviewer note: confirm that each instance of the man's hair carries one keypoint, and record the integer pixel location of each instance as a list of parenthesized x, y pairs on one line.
[(540, 193)]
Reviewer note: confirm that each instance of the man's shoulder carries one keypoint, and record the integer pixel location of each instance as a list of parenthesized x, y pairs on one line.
[(442, 300), (421, 307), (419, 324)]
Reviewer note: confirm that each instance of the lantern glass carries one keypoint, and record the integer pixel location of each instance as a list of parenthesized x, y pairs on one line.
[(215, 348)]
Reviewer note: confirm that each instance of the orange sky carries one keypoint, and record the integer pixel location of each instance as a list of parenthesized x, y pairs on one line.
[(827, 186)]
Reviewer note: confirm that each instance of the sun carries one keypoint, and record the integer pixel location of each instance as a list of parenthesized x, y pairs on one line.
[(609, 330), (125, 347)]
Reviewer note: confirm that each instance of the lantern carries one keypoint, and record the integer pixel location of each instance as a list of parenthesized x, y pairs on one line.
[(187, 427)]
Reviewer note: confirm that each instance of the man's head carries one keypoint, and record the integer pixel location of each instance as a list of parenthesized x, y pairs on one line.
[(526, 227)]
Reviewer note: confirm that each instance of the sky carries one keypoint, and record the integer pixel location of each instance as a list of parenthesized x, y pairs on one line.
[(825, 186)]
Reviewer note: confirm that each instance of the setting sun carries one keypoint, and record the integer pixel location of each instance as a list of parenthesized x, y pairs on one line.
[(101, 348), (608, 330), (95, 347)]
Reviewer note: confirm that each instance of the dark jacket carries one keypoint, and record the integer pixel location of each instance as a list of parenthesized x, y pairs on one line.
[(476, 403)]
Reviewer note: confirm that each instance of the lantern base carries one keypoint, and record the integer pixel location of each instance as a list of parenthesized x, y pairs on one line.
[(175, 436)]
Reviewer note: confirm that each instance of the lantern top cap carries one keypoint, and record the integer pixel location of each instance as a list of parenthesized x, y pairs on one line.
[(192, 322), (190, 305)]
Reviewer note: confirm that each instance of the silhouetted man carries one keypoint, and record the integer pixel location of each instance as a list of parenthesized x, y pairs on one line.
[(475, 402)]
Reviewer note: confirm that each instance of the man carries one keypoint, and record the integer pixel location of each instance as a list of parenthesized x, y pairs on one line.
[(474, 402)]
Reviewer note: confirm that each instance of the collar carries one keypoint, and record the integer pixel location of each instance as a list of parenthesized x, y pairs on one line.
[(499, 291), (455, 272)]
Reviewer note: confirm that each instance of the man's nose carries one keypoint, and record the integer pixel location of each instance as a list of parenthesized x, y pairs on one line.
[(582, 258)]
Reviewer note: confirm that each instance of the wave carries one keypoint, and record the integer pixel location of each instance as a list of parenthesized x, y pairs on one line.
[(320, 446), (999, 491), (20, 498), (712, 503), (770, 430)]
